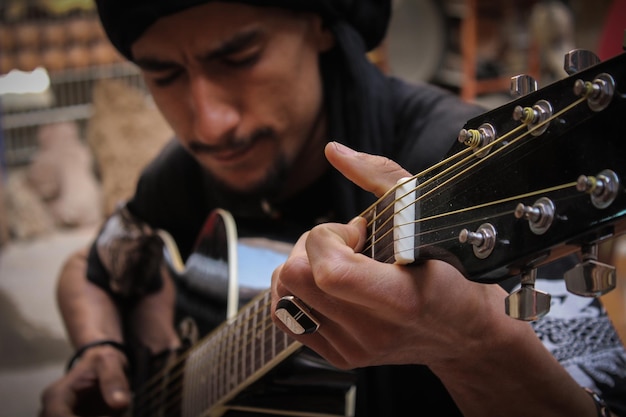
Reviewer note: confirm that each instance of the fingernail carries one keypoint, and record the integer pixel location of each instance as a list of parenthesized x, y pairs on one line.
[(119, 396), (341, 148), (356, 220)]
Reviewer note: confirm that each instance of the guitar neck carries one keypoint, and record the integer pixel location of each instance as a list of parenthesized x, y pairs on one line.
[(221, 365)]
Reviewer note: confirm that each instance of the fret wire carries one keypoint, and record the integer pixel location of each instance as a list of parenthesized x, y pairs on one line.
[(230, 365), (273, 346), (220, 339), (269, 326), (254, 337), (219, 362), (244, 350)]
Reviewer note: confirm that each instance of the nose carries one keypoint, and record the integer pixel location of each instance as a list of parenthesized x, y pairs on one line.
[(215, 114)]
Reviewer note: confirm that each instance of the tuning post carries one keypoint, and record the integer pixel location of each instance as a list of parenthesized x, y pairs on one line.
[(527, 303), (579, 59), (483, 239), (540, 215), (598, 92), (535, 117), (602, 188), (522, 85), (590, 278), (478, 139)]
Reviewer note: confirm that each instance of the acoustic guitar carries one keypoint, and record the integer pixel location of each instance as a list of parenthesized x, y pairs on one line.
[(527, 183)]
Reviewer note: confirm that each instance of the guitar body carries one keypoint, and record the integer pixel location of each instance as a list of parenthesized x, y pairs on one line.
[(234, 362)]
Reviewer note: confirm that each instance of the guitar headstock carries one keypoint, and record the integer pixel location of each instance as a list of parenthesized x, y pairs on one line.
[(527, 183)]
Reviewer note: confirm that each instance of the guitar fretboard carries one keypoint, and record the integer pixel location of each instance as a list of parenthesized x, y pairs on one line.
[(233, 356)]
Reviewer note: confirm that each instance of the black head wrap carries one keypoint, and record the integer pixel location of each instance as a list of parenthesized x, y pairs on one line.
[(125, 20)]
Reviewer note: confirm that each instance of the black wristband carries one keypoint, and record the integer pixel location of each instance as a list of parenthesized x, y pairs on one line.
[(117, 345)]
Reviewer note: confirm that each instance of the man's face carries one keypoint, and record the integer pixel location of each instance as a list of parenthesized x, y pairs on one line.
[(241, 88)]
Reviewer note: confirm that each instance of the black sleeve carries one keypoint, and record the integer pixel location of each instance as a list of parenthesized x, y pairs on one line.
[(428, 123)]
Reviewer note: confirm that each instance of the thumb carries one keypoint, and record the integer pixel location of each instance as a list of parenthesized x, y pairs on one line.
[(114, 382), (372, 173)]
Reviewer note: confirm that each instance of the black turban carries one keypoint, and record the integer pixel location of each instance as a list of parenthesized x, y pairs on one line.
[(124, 21)]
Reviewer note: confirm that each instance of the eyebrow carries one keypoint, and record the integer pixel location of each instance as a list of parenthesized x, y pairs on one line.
[(229, 46)]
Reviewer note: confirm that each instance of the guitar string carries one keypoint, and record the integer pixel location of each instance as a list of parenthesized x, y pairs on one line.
[(423, 184), (391, 258), (481, 160), (422, 196), (161, 376), (153, 386), (449, 170), (264, 325), (268, 325)]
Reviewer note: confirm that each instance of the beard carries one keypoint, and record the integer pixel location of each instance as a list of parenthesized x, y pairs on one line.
[(268, 188)]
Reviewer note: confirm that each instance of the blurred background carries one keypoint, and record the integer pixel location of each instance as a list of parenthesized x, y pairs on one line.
[(77, 126)]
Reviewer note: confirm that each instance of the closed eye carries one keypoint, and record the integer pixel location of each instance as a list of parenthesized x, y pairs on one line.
[(164, 81), (242, 60)]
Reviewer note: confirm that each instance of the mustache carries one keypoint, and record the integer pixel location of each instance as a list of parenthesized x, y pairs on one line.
[(232, 142)]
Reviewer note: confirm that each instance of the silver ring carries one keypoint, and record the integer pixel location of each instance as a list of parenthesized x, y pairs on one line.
[(296, 315)]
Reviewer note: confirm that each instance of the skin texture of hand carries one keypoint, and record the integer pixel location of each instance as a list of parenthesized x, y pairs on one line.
[(372, 313), (96, 385)]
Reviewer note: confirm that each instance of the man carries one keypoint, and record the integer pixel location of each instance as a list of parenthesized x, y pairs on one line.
[(256, 93)]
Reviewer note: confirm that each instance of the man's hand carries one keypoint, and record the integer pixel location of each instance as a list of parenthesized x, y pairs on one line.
[(374, 313), (96, 386)]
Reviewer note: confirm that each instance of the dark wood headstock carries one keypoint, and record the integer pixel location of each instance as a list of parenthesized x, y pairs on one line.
[(527, 183)]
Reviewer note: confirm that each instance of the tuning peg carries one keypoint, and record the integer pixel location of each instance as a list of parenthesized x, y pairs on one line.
[(528, 303), (578, 60), (537, 117), (483, 239), (590, 278), (478, 139), (598, 92), (540, 215), (522, 84), (603, 188)]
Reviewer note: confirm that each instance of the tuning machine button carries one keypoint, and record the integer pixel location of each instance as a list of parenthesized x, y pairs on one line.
[(598, 92), (540, 215), (483, 239), (590, 278), (522, 84), (478, 139), (528, 303), (535, 117), (602, 188), (578, 60)]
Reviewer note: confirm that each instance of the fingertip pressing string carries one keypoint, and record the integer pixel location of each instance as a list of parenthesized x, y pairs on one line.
[(77, 355)]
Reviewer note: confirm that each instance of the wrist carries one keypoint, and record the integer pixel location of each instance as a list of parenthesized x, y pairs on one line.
[(95, 344)]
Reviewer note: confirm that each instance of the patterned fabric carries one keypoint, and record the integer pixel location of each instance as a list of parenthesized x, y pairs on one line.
[(580, 335)]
